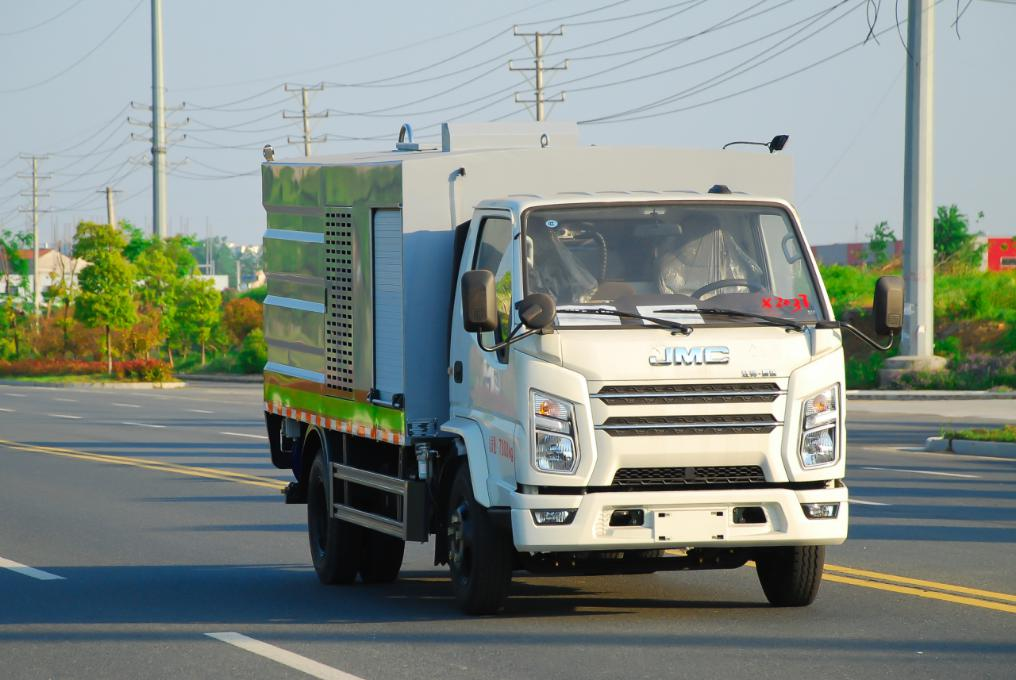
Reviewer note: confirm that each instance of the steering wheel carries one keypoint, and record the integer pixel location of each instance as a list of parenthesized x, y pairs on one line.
[(726, 283)]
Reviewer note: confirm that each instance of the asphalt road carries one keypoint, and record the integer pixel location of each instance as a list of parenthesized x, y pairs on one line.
[(135, 524)]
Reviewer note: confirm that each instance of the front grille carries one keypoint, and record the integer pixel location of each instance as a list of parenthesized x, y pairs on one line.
[(655, 426), (688, 476), (705, 393)]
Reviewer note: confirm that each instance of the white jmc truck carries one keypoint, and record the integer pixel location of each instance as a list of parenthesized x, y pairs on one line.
[(554, 358)]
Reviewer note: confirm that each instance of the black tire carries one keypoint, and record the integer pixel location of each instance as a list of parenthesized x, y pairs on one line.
[(479, 555), (335, 546), (382, 557), (790, 576)]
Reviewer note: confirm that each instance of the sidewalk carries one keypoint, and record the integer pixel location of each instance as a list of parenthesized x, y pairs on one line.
[(251, 378), (927, 395)]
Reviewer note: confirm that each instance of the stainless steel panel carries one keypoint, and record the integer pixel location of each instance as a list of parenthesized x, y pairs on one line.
[(388, 299)]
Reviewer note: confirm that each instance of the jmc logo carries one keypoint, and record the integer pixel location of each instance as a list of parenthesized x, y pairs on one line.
[(686, 356)]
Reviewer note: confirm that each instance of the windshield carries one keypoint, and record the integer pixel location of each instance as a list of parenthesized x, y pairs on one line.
[(677, 258)]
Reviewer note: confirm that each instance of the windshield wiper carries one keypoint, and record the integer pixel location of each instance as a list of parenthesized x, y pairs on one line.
[(683, 329), (789, 324)]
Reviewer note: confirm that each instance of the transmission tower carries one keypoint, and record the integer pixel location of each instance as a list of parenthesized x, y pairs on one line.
[(305, 115), (538, 69), (36, 195)]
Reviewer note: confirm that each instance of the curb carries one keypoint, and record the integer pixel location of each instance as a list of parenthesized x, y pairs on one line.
[(98, 385), (254, 378), (926, 395), (971, 447)]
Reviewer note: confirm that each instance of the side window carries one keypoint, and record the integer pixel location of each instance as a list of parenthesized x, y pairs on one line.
[(494, 253)]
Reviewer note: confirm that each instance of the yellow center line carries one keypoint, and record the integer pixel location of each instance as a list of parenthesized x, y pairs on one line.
[(917, 592), (920, 583), (189, 470), (864, 578)]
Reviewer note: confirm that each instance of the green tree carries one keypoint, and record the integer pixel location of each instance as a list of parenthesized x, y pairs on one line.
[(199, 311), (955, 245), (12, 319), (107, 284), (253, 352), (11, 263), (137, 241), (163, 268), (880, 240)]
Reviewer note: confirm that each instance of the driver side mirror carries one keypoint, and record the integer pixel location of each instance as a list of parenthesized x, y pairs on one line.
[(537, 310), (479, 312), (887, 307)]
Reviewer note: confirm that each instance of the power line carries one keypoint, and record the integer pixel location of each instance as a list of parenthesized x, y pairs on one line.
[(79, 61), (704, 59), (577, 14), (42, 23), (615, 118), (728, 74), (380, 53), (98, 131), (626, 17), (736, 18), (235, 126)]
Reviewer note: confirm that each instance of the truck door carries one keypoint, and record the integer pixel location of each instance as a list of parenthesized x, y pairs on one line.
[(487, 391)]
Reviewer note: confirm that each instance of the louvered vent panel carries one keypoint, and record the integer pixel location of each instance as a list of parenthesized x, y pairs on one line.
[(339, 315)]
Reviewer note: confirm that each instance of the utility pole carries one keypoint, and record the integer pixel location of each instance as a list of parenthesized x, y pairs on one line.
[(238, 274), (36, 278), (158, 127), (110, 205), (917, 341), (305, 115), (538, 68)]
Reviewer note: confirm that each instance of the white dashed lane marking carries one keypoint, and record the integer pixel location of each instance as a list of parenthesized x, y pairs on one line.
[(7, 410), (923, 472), (127, 422), (286, 658), (199, 410), (61, 415), (73, 401), (241, 434), (25, 570), (12, 394), (854, 501), (126, 405)]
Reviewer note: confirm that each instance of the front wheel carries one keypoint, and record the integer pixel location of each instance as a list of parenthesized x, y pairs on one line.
[(479, 555), (790, 576)]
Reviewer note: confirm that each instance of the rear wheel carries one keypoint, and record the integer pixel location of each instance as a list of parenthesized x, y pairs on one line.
[(382, 557), (790, 576), (335, 545), (479, 555)]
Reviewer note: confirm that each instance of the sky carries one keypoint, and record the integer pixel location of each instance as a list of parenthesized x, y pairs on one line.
[(695, 73)]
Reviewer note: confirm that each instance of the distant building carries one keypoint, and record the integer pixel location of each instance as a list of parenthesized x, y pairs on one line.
[(219, 281), (853, 254), (53, 266), (1001, 254)]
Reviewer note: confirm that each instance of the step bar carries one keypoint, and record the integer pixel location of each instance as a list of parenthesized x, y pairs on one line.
[(411, 522)]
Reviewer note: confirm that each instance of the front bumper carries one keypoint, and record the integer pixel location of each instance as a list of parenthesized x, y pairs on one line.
[(678, 519)]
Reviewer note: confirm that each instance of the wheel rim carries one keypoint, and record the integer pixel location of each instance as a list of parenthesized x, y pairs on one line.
[(460, 557)]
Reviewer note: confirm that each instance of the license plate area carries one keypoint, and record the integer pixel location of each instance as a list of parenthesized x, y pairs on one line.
[(689, 525)]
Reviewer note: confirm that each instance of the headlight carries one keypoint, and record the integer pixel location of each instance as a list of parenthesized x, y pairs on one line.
[(554, 448), (821, 409), (820, 418)]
